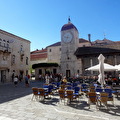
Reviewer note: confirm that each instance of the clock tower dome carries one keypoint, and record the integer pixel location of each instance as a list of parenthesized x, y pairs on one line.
[(69, 44)]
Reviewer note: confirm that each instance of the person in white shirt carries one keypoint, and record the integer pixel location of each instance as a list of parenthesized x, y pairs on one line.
[(15, 81), (47, 78)]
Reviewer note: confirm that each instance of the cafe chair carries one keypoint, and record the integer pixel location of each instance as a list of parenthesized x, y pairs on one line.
[(92, 99), (103, 99), (84, 88), (35, 93), (92, 89), (70, 96), (69, 87), (62, 95), (76, 90), (62, 87), (42, 93), (99, 90), (110, 96)]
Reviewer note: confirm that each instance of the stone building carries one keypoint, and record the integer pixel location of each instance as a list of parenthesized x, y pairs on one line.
[(14, 56), (74, 54), (38, 56)]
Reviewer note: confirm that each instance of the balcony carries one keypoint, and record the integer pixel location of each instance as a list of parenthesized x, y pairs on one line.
[(5, 49), (1, 48), (4, 64)]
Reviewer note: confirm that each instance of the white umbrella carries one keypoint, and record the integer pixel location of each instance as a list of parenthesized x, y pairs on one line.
[(101, 79), (107, 67), (117, 67)]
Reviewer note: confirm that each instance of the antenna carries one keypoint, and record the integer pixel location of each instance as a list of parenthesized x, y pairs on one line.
[(104, 35)]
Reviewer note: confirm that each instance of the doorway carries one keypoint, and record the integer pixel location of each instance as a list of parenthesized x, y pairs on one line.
[(3, 76), (68, 73)]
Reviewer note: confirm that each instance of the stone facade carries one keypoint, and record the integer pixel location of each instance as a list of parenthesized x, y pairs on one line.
[(54, 53), (14, 56)]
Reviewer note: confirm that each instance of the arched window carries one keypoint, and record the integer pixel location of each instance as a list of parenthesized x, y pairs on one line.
[(21, 48), (13, 59), (26, 60)]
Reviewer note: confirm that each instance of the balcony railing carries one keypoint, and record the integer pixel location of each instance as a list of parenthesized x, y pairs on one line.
[(5, 49)]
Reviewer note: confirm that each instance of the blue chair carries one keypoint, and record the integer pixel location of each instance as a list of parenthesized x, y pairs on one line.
[(74, 84), (50, 88), (109, 91), (45, 86), (99, 90), (68, 83), (84, 88), (76, 90), (69, 87), (58, 84), (110, 96)]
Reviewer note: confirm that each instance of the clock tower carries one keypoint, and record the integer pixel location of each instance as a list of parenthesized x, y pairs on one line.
[(69, 44)]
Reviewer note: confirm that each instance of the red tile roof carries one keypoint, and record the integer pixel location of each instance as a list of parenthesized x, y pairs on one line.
[(81, 40), (38, 54), (39, 51)]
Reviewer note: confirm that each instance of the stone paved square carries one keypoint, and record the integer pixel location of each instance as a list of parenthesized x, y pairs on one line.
[(16, 104)]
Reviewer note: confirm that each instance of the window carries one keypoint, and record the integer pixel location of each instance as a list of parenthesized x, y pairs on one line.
[(13, 59), (21, 58), (26, 60), (50, 50), (21, 48)]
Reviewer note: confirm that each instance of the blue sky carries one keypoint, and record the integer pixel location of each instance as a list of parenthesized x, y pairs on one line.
[(40, 21)]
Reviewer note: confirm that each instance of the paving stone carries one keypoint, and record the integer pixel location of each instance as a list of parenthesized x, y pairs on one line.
[(16, 104)]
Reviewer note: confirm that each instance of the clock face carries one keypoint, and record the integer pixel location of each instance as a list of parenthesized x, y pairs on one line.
[(67, 37)]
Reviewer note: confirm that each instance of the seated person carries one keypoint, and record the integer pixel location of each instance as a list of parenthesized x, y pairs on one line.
[(64, 80)]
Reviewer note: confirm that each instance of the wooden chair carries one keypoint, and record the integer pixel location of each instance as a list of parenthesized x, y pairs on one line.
[(110, 96), (35, 93), (63, 86), (70, 96), (42, 93), (62, 95), (92, 99), (92, 88), (103, 99)]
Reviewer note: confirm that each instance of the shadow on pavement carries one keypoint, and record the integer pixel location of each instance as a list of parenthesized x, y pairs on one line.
[(9, 92)]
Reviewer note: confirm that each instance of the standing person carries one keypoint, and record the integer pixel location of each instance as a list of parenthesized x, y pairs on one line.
[(13, 77), (47, 78), (15, 81), (20, 78), (40, 77), (64, 80), (26, 81)]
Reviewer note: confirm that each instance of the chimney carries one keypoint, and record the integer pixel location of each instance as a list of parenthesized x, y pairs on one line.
[(89, 37)]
